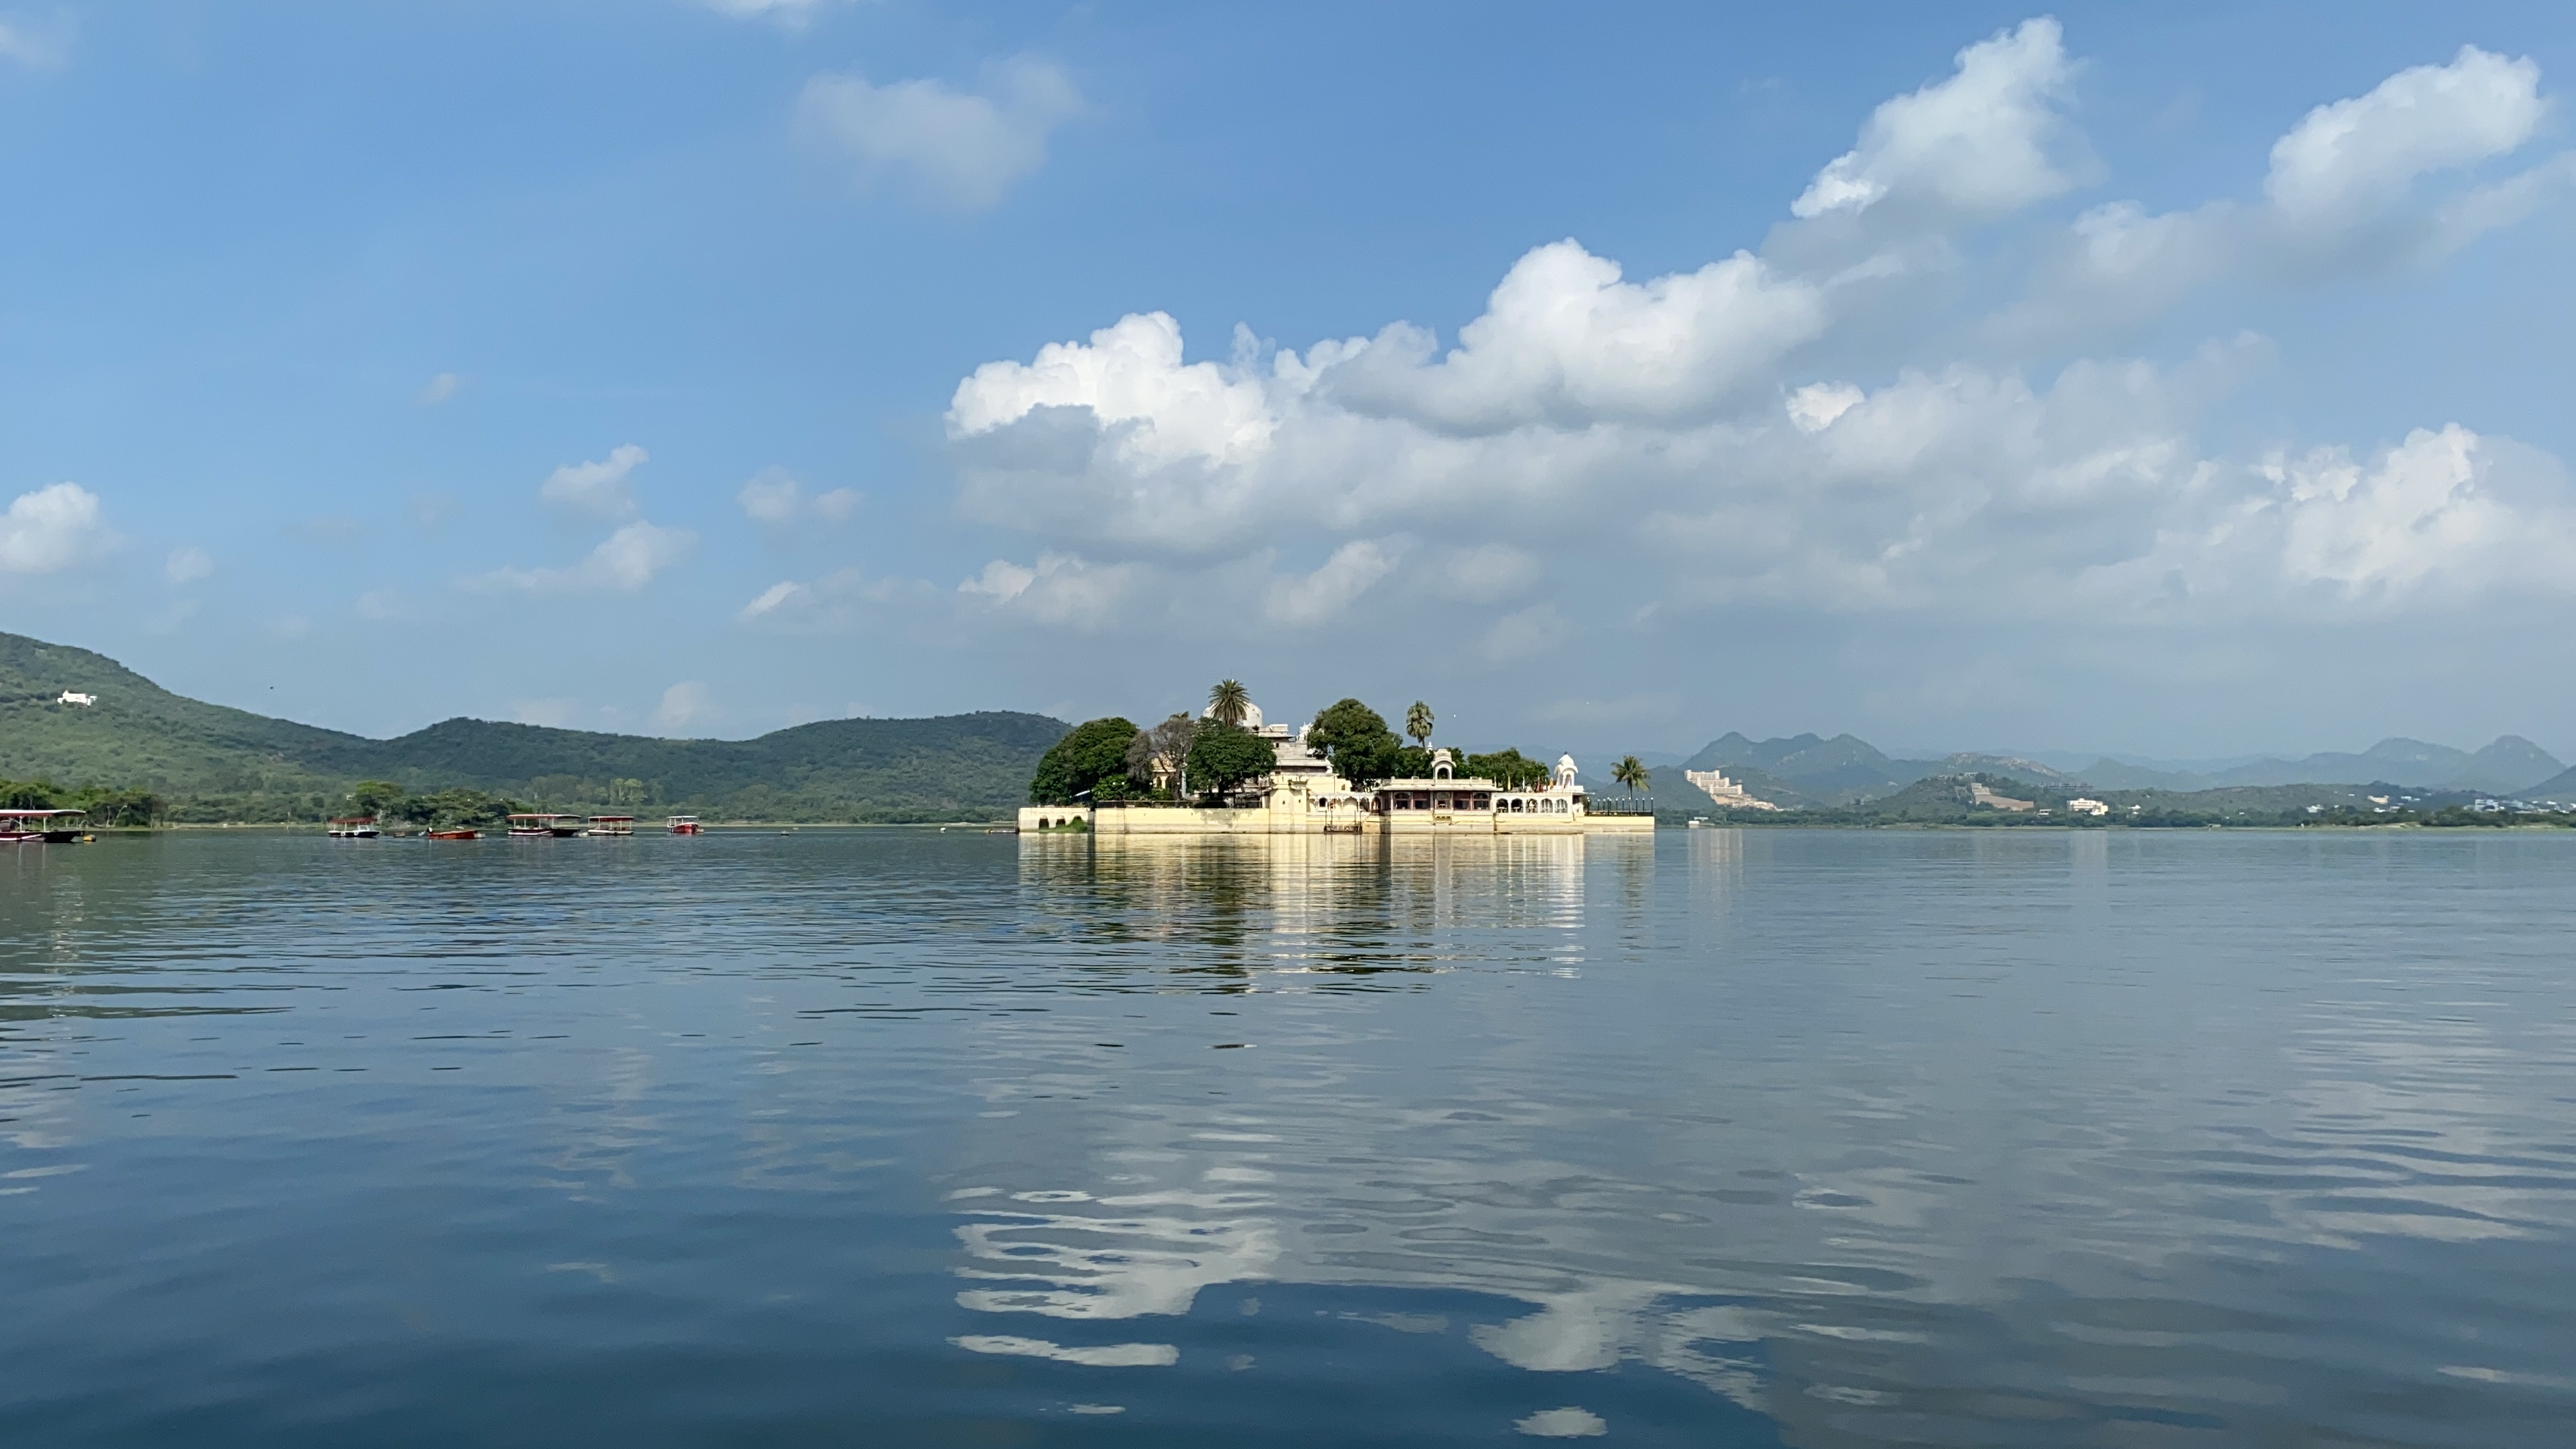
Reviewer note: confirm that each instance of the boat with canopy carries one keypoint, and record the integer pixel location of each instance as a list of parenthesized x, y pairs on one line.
[(51, 827), (533, 825)]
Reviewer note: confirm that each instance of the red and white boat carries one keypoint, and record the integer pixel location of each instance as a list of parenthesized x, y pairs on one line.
[(52, 827), (533, 826), (684, 825), (354, 827)]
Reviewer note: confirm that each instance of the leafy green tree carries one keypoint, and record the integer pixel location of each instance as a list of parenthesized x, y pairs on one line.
[(119, 807), (1508, 768), (1355, 738), (1229, 702), (1412, 762), (376, 797), (1161, 751), (27, 794), (1417, 723), (1631, 773), (1093, 752), (1223, 756)]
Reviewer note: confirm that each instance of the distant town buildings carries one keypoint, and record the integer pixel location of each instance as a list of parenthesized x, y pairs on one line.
[(2081, 806), (1727, 793), (1978, 794)]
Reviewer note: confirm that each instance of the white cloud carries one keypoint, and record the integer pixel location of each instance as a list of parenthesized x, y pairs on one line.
[(1329, 591), (623, 562), (1564, 340), (1979, 142), (1677, 425), (440, 388), (683, 704), (961, 148), (1813, 408), (2429, 509), (775, 498), (187, 565), (2341, 195), (1060, 589), (51, 529), (2351, 160), (597, 490)]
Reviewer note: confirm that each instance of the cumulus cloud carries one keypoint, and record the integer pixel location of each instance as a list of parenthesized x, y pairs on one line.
[(51, 529), (962, 149), (187, 565), (596, 490), (1061, 590), (774, 497), (2349, 161), (1724, 434), (1563, 339), (1980, 142), (2344, 192), (624, 562), (2436, 507)]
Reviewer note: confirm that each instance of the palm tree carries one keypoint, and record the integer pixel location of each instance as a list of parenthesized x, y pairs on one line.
[(1417, 722), (1228, 702), (1631, 772)]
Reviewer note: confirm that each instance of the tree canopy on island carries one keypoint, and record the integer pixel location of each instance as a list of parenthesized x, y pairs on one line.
[(1355, 738), (1223, 756), (1508, 768), (1095, 751)]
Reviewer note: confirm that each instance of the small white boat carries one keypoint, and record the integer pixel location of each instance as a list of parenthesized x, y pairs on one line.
[(354, 827)]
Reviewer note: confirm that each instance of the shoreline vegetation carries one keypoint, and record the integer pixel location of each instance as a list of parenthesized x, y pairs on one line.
[(79, 731)]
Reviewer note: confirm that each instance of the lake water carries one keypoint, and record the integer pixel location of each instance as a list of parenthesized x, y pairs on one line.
[(882, 1137)]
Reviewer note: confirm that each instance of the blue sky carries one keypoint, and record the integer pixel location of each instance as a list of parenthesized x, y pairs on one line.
[(2180, 381)]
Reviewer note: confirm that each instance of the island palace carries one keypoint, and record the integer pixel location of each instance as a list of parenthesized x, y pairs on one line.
[(1302, 796)]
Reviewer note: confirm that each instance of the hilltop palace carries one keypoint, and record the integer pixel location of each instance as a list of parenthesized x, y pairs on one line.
[(1302, 796)]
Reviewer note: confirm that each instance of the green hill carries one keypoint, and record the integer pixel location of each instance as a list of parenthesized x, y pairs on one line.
[(211, 763)]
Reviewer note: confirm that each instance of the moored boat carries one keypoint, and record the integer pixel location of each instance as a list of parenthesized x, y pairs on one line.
[(536, 825), (457, 834), (49, 827), (354, 827), (684, 825), (612, 825)]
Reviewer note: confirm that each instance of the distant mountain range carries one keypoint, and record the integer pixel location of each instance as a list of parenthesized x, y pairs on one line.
[(215, 764), (1808, 770)]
